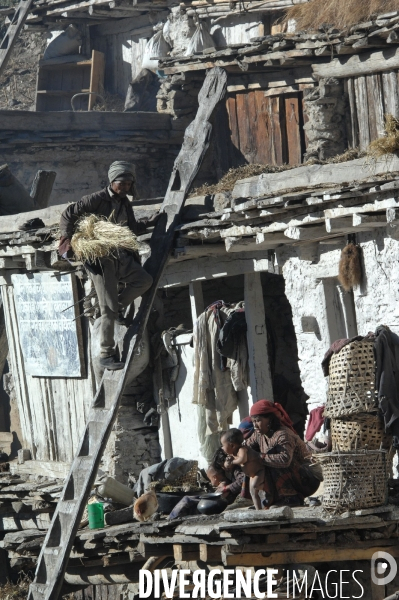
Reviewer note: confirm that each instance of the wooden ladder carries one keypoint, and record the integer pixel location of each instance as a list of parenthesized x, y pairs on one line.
[(60, 537), (16, 23)]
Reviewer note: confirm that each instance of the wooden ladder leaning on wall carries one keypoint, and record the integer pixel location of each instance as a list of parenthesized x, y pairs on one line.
[(57, 545), (16, 23)]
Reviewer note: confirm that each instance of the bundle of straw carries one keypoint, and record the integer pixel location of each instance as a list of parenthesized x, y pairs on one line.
[(96, 237), (389, 143)]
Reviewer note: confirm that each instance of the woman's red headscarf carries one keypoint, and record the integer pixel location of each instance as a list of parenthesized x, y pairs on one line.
[(265, 407)]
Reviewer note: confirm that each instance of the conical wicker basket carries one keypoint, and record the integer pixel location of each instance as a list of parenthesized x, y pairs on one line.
[(359, 432), (354, 480), (352, 381)]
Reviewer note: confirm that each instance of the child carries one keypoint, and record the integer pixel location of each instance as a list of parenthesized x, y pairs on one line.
[(249, 461)]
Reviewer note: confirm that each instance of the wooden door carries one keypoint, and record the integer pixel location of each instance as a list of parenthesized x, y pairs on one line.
[(267, 129)]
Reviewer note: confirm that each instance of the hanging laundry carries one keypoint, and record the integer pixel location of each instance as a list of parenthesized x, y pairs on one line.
[(217, 378), (315, 423)]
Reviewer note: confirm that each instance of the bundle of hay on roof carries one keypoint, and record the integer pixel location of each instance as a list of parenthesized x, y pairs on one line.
[(97, 237), (389, 143)]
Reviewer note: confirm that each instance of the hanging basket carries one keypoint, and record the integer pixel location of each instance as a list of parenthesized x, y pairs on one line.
[(354, 480), (352, 381), (360, 432)]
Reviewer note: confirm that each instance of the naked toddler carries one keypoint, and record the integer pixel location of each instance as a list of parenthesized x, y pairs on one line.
[(249, 461)]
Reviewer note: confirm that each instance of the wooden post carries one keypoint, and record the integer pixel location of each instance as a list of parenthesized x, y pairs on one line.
[(196, 299), (258, 358), (42, 187)]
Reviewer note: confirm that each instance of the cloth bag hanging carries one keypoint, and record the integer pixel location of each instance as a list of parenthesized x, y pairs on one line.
[(201, 39), (156, 47)]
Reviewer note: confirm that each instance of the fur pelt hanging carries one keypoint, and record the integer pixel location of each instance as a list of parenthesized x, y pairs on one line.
[(350, 267)]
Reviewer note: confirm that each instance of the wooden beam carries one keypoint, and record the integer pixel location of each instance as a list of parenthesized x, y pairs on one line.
[(186, 552), (362, 220), (210, 554), (356, 65), (185, 272), (258, 356), (304, 556), (311, 176), (196, 299)]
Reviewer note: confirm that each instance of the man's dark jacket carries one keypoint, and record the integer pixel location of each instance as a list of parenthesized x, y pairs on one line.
[(99, 203)]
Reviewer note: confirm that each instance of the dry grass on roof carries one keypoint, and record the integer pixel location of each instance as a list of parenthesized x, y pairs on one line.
[(229, 179), (342, 14), (389, 143)]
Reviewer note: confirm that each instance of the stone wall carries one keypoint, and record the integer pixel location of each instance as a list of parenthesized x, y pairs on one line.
[(83, 169), (325, 107), (323, 312)]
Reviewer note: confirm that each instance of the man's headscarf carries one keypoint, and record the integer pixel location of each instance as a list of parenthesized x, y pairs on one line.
[(265, 407), (121, 169)]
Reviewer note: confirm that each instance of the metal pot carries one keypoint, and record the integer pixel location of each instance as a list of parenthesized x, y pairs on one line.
[(211, 504)]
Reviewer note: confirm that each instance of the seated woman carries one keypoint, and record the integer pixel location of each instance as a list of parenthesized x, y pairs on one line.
[(289, 475)]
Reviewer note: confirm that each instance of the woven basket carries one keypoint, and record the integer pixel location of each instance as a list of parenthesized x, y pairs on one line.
[(354, 480), (190, 478), (352, 381), (362, 431)]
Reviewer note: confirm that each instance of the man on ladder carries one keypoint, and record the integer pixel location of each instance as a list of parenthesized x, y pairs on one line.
[(108, 272)]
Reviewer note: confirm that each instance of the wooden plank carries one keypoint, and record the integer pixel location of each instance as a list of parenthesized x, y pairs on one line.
[(258, 356), (232, 112), (210, 554), (311, 176), (196, 299), (262, 129), (390, 93), (294, 126), (186, 552), (53, 559), (279, 134), (185, 272), (366, 63), (376, 105), (305, 556), (362, 108), (353, 130), (96, 76)]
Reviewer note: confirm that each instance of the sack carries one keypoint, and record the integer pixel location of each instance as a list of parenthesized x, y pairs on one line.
[(231, 333), (68, 42), (201, 39), (156, 47)]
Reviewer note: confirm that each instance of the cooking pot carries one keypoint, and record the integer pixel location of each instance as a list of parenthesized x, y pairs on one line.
[(168, 500), (211, 504)]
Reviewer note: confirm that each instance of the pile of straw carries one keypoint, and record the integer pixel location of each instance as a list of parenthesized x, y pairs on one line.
[(320, 14), (96, 237), (389, 144)]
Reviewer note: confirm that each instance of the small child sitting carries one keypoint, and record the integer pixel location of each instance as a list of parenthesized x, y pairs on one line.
[(249, 461)]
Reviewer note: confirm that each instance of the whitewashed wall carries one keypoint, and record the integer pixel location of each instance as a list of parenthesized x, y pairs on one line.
[(236, 30), (309, 290)]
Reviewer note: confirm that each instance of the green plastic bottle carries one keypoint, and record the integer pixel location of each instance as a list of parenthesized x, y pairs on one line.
[(96, 515)]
